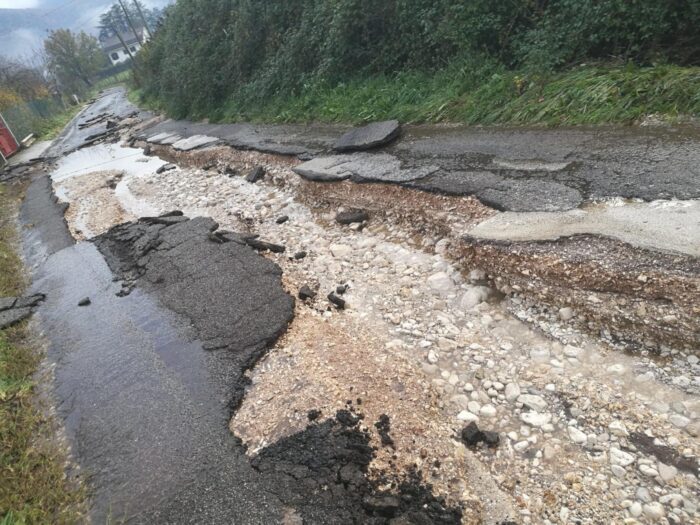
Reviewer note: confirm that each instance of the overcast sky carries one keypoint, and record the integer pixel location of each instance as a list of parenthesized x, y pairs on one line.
[(23, 31)]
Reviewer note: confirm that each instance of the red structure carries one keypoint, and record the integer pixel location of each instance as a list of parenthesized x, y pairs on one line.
[(8, 142)]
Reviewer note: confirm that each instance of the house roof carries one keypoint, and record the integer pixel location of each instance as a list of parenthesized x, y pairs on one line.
[(113, 42)]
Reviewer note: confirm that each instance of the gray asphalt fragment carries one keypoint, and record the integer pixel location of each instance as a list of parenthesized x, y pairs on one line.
[(369, 136), (362, 167), (194, 142)]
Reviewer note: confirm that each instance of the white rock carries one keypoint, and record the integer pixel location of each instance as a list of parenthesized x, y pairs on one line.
[(679, 421), (535, 419), (616, 369), (648, 470), (549, 452), (477, 275), (577, 436), (433, 357), (521, 445), (654, 511), (667, 472), (512, 392), (620, 457), (635, 509), (488, 411), (617, 428), (467, 417), (573, 351), (440, 282), (618, 471), (474, 296), (539, 355), (460, 400), (441, 246), (474, 407), (566, 314), (340, 250), (533, 402)]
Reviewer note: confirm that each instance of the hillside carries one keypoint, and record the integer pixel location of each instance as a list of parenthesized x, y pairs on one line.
[(552, 62)]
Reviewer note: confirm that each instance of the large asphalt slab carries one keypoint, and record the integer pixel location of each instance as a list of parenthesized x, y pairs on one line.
[(232, 296)]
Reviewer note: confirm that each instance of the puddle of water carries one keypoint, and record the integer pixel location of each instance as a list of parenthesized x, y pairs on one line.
[(106, 157), (662, 225)]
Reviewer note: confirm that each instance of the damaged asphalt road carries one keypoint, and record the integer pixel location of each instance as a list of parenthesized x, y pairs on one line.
[(509, 169), (147, 373), (232, 296)]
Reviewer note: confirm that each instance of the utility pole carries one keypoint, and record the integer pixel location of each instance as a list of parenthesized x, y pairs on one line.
[(131, 24), (133, 59), (126, 48), (143, 18)]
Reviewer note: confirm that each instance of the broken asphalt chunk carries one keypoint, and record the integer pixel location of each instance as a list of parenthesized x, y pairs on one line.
[(84, 302), (263, 246), (491, 438), (30, 301), (368, 137), (256, 175), (471, 435), (282, 219), (13, 316), (385, 506), (300, 255), (305, 292), (383, 426), (7, 302), (347, 418), (350, 217), (165, 167), (337, 301)]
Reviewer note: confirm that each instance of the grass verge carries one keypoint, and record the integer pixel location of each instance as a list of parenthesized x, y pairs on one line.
[(33, 485), (483, 94)]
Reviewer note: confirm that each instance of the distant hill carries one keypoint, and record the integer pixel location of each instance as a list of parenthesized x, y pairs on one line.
[(23, 30)]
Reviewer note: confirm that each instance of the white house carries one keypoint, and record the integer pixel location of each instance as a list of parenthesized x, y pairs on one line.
[(115, 49)]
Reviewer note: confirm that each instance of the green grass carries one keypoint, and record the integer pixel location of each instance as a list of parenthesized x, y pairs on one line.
[(33, 486), (49, 128), (474, 94)]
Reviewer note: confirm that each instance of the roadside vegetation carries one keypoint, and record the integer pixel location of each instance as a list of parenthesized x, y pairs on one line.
[(517, 62), (34, 488)]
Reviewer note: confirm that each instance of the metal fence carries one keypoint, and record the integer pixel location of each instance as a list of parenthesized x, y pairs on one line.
[(25, 119)]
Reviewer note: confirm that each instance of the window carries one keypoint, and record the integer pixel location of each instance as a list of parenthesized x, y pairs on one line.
[(133, 49), (115, 56)]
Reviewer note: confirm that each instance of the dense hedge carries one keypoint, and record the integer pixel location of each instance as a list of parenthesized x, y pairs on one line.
[(208, 51)]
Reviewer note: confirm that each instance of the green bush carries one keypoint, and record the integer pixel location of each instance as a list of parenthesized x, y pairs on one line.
[(210, 54)]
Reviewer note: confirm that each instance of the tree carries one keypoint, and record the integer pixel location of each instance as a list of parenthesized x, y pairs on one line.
[(23, 78), (73, 58), (115, 18)]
